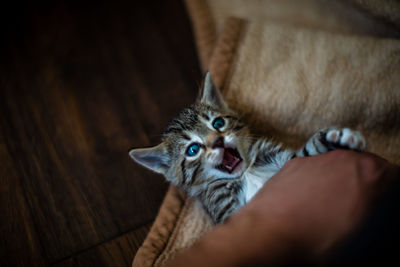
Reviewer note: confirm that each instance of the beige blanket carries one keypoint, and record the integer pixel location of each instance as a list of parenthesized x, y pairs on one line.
[(291, 68)]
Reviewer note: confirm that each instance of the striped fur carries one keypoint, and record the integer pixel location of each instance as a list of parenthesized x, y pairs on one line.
[(221, 192)]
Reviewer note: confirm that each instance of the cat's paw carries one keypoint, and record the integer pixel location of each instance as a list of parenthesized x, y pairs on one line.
[(345, 138)]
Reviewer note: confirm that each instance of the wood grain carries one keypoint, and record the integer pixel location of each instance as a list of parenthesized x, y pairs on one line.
[(116, 252), (17, 232), (80, 85)]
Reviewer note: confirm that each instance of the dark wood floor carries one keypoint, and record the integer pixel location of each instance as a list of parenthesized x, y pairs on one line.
[(80, 84)]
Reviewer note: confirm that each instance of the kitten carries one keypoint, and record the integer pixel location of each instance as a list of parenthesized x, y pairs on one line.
[(208, 152)]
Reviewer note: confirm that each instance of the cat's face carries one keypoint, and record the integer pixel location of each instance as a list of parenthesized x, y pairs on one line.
[(204, 142)]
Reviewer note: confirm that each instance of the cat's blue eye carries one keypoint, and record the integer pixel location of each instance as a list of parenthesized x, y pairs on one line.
[(218, 123), (193, 149)]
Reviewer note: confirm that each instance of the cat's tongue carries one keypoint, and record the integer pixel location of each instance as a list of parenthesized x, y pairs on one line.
[(231, 159)]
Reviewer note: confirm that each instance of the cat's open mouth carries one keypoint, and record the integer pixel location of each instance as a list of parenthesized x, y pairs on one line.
[(230, 160)]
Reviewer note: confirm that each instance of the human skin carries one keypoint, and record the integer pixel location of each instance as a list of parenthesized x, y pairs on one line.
[(309, 206)]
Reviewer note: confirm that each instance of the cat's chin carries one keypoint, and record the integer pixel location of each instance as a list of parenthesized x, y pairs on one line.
[(234, 170)]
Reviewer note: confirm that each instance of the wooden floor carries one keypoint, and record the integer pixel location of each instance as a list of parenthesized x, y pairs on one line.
[(81, 83)]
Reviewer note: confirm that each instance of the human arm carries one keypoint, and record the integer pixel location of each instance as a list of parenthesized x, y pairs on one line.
[(305, 209)]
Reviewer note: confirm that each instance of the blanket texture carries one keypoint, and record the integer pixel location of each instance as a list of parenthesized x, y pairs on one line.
[(291, 67)]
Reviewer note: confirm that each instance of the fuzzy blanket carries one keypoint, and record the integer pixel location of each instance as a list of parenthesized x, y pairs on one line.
[(291, 67)]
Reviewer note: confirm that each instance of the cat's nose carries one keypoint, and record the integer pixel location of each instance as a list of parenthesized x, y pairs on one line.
[(218, 142)]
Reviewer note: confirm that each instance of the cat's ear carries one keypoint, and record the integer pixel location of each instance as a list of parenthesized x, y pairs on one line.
[(154, 158), (209, 93)]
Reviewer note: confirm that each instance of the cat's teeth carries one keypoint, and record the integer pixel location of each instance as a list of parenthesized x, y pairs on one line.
[(231, 160)]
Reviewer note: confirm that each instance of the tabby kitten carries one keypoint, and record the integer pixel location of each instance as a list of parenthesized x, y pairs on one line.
[(208, 152)]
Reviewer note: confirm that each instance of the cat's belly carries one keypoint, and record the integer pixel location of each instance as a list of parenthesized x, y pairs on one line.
[(255, 180)]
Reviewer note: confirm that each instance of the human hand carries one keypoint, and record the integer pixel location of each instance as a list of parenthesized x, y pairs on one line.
[(307, 207), (318, 200)]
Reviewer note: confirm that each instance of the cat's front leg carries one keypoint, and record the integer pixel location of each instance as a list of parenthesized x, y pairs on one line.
[(332, 138), (222, 198)]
